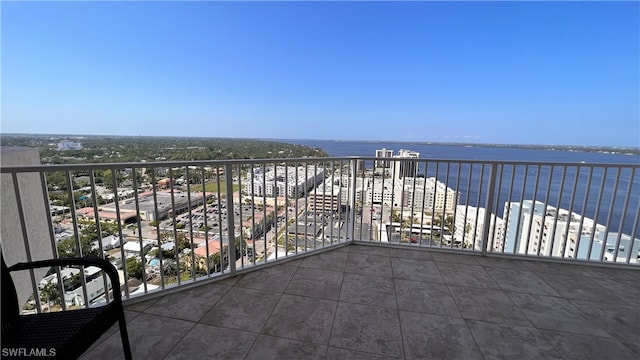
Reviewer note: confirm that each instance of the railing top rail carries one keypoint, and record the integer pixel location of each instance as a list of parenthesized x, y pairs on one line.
[(161, 164)]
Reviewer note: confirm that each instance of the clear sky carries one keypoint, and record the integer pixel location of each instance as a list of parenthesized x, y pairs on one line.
[(561, 73)]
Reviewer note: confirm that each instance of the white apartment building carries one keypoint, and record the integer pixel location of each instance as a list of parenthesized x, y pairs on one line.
[(469, 228), (280, 180), (545, 230), (327, 196), (69, 145), (384, 154), (413, 192), (405, 168), (434, 194)]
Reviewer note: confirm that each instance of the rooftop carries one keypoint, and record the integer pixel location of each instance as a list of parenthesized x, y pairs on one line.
[(379, 302)]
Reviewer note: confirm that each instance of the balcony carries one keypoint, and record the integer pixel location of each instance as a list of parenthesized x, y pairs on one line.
[(335, 259), (380, 302)]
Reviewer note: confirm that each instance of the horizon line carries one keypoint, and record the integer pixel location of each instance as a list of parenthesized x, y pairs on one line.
[(453, 143)]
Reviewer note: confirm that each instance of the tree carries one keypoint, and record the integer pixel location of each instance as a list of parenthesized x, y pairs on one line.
[(214, 262), (50, 293), (56, 180), (241, 245), (67, 248), (170, 268), (437, 220), (194, 177), (105, 178), (134, 268), (395, 216), (90, 231), (448, 223)]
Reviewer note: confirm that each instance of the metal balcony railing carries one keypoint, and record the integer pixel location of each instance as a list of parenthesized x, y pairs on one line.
[(168, 224)]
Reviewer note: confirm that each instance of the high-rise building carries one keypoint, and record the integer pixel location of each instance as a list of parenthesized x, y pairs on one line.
[(384, 154), (405, 168)]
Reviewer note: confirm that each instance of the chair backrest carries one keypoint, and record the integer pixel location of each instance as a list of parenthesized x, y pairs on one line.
[(9, 299)]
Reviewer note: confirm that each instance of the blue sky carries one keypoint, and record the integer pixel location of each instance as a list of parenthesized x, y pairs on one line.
[(562, 73)]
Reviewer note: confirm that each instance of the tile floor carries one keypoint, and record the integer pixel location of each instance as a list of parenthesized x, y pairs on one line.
[(369, 302)]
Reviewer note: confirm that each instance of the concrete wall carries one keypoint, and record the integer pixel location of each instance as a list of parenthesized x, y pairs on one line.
[(33, 203)]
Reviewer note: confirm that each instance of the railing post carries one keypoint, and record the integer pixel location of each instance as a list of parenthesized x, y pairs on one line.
[(352, 206), (486, 226), (228, 171)]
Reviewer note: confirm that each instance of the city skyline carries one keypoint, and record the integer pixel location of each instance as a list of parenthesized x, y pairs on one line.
[(542, 73)]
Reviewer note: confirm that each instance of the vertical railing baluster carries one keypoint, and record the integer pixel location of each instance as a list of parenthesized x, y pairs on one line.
[(609, 215), (444, 206), (254, 229), (634, 228), (361, 199), (402, 167), (352, 205), (156, 218), (456, 200), (72, 201), (478, 201), (228, 170), (507, 212), (94, 199), (275, 211), (306, 202), (543, 226), (433, 204), (315, 204), (54, 248), (243, 241), (191, 220), (264, 210), (582, 216), (139, 224), (324, 202), (286, 209), (466, 208), (205, 221), (521, 211), (596, 215), (570, 215), (393, 200), (554, 224), (496, 210), (297, 206), (382, 203), (335, 208), (534, 203), (415, 165), (338, 214), (116, 201), (176, 246), (220, 225), (487, 211), (624, 216)]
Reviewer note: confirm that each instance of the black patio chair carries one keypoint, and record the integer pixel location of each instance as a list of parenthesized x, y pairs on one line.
[(63, 334)]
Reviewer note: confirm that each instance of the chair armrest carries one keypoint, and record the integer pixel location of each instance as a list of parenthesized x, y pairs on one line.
[(104, 265)]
